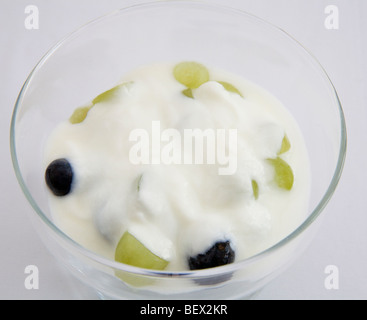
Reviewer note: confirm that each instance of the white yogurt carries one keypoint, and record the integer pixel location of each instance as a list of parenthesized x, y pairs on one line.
[(179, 210)]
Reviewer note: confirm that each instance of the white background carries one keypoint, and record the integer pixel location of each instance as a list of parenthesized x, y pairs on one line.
[(342, 238)]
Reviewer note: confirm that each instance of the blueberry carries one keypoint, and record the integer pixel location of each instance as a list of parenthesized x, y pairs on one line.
[(219, 254), (59, 177)]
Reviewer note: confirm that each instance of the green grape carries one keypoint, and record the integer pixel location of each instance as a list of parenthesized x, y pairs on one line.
[(229, 87), (131, 251), (286, 145), (188, 93), (109, 94), (283, 173), (255, 189), (79, 114), (139, 182), (191, 74)]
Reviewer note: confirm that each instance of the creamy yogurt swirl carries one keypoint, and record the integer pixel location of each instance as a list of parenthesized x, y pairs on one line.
[(179, 210)]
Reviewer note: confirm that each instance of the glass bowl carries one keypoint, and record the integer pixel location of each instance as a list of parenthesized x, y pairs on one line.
[(93, 58)]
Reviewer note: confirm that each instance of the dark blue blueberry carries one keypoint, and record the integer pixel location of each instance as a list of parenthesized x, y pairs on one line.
[(219, 254), (59, 177)]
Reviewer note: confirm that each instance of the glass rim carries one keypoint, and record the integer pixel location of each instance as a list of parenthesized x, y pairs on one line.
[(315, 213)]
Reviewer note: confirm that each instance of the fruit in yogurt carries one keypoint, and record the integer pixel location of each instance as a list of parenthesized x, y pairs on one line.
[(221, 253), (109, 94), (188, 93), (59, 177), (284, 177), (179, 216), (191, 74), (286, 145), (255, 189), (131, 251), (230, 87), (79, 115)]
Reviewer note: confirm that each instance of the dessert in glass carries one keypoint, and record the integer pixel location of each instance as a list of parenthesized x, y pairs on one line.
[(135, 227)]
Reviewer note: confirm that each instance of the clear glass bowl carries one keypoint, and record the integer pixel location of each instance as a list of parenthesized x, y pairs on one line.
[(93, 58)]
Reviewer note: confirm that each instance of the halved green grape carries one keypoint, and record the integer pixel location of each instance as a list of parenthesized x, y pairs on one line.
[(229, 87), (284, 177), (286, 145), (109, 94), (188, 93), (131, 251), (139, 182), (191, 74), (255, 189), (79, 114)]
